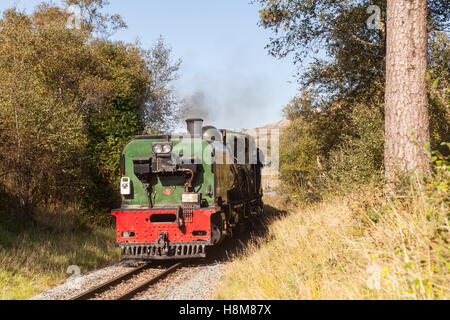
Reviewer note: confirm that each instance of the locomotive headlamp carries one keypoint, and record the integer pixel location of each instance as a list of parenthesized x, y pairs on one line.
[(167, 148), (128, 234), (162, 148), (157, 148), (190, 198)]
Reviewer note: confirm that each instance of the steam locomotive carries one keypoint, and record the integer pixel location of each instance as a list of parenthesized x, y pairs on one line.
[(184, 193)]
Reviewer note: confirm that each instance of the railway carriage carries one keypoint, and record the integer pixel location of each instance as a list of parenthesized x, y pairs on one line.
[(184, 193)]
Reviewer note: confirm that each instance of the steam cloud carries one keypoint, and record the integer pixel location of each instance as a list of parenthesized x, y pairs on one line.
[(195, 106)]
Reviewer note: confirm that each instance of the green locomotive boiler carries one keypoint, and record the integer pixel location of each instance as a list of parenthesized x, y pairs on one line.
[(184, 193)]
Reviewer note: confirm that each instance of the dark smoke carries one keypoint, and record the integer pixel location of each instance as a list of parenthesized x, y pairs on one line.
[(195, 106)]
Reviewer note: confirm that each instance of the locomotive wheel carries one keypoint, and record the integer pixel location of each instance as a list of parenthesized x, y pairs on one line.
[(217, 227), (216, 234)]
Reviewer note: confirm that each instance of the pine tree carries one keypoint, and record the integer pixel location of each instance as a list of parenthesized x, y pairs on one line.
[(407, 120)]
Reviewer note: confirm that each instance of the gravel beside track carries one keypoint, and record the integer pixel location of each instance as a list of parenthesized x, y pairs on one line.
[(187, 283), (195, 280), (78, 284)]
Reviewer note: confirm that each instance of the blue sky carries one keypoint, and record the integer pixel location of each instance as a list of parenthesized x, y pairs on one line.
[(222, 48)]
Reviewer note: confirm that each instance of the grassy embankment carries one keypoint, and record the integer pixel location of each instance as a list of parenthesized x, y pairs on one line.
[(33, 259), (362, 246)]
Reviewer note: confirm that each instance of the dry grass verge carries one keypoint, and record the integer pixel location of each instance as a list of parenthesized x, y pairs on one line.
[(34, 259), (369, 246)]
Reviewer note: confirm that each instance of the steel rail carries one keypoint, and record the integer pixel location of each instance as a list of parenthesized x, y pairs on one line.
[(105, 286), (133, 292)]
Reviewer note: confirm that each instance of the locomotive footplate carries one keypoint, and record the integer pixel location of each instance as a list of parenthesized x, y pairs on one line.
[(162, 249)]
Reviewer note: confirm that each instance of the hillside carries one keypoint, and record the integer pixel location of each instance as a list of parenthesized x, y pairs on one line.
[(265, 136), (270, 177)]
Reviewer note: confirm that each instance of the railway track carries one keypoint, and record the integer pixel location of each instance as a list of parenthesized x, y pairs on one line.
[(129, 293)]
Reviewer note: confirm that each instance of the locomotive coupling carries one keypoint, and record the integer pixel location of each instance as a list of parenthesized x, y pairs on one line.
[(163, 242)]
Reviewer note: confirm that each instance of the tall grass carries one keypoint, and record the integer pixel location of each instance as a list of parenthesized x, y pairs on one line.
[(366, 245), (35, 258)]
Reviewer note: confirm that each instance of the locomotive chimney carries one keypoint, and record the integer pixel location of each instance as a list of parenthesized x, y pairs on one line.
[(194, 127)]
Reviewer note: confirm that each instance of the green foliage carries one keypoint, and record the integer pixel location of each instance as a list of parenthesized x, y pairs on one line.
[(318, 155), (297, 157), (42, 130), (437, 188), (162, 108), (337, 122), (70, 101), (438, 79), (108, 133), (346, 58), (358, 159)]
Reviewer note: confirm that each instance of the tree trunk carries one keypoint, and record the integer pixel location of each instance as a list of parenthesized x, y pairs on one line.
[(16, 102), (407, 122)]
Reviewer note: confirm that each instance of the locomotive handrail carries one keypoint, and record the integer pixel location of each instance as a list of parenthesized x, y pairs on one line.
[(188, 184), (178, 217)]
